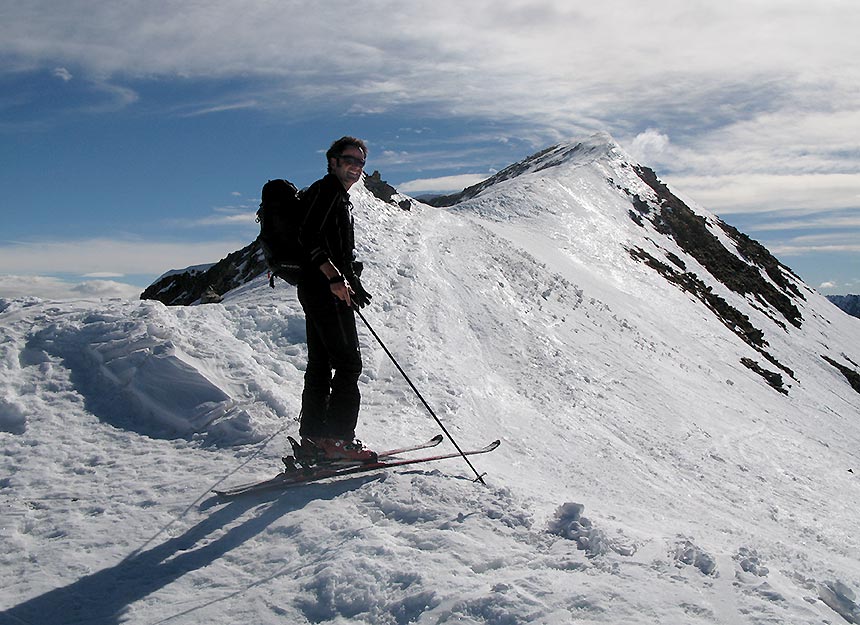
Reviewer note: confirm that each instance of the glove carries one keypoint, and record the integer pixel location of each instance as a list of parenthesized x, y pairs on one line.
[(359, 295)]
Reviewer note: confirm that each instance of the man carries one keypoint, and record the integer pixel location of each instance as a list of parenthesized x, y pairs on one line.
[(329, 289)]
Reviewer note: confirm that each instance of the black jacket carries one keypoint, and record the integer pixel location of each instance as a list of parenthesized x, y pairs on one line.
[(327, 232)]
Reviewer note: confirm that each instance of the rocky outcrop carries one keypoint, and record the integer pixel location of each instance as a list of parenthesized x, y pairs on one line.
[(184, 288), (385, 192)]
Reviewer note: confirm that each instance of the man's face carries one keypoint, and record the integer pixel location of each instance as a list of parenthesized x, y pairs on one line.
[(348, 166)]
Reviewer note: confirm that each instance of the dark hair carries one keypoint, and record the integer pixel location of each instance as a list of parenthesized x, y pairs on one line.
[(340, 145)]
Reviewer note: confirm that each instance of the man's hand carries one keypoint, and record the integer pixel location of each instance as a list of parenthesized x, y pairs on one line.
[(337, 283), (342, 291)]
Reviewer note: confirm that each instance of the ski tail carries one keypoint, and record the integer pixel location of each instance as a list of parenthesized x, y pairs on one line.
[(436, 440)]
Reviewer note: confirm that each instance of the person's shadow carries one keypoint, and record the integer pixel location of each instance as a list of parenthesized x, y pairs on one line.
[(101, 598)]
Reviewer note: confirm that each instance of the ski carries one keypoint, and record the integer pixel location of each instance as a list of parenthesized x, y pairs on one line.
[(294, 464), (402, 450), (288, 480)]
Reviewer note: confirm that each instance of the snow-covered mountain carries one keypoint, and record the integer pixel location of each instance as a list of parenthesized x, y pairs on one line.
[(680, 430)]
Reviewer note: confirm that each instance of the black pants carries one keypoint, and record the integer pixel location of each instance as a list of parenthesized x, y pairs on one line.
[(330, 399)]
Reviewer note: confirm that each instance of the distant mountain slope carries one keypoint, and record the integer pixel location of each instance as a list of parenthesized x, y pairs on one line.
[(848, 303), (193, 286)]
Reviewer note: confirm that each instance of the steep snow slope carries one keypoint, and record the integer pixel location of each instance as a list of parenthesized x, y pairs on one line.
[(646, 475)]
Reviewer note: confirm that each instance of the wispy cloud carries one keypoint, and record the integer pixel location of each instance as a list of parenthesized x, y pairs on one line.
[(223, 108), (830, 242), (242, 215), (831, 220), (62, 73), (109, 256), (725, 85), (225, 218), (743, 193), (550, 62)]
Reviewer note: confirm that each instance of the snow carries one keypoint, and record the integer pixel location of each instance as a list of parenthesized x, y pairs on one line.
[(645, 474)]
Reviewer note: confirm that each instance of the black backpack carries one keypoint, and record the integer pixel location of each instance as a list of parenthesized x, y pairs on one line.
[(279, 217)]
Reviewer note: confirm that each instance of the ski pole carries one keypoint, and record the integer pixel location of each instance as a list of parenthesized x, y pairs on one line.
[(480, 477)]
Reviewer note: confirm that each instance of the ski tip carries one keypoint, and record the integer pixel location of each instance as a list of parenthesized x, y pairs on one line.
[(494, 444), (437, 439)]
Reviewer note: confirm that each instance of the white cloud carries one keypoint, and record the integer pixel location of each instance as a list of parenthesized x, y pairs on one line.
[(729, 81), (62, 73), (832, 242), (718, 88), (44, 287), (224, 219), (221, 108), (649, 147), (501, 58), (442, 184), (829, 220), (100, 289), (740, 193), (100, 256)]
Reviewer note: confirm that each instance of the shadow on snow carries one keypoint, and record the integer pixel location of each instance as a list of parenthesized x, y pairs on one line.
[(102, 598)]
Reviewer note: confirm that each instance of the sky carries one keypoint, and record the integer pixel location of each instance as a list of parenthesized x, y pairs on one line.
[(135, 136)]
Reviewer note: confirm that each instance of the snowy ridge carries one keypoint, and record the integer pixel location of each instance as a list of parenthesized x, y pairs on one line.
[(646, 474)]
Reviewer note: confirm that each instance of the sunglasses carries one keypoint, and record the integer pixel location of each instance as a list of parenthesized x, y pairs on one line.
[(352, 160)]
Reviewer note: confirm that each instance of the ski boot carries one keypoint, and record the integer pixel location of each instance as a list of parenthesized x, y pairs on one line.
[(306, 455), (339, 451)]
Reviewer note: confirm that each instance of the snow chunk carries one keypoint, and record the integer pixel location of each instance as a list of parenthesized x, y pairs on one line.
[(12, 416), (687, 553), (750, 562), (569, 523), (841, 600), (133, 376)]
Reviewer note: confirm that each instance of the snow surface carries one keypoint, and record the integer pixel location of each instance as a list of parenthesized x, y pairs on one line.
[(645, 474)]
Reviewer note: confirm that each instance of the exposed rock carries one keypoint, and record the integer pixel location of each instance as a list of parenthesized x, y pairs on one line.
[(772, 378), (674, 218), (850, 374), (195, 287), (384, 191)]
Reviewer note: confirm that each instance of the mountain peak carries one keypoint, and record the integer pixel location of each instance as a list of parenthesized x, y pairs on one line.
[(575, 152)]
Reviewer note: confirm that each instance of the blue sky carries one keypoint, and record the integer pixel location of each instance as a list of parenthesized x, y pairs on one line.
[(135, 136)]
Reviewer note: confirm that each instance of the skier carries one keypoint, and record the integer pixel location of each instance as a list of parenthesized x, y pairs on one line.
[(328, 290)]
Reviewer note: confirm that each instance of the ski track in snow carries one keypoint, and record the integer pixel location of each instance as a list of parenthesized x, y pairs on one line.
[(645, 475)]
